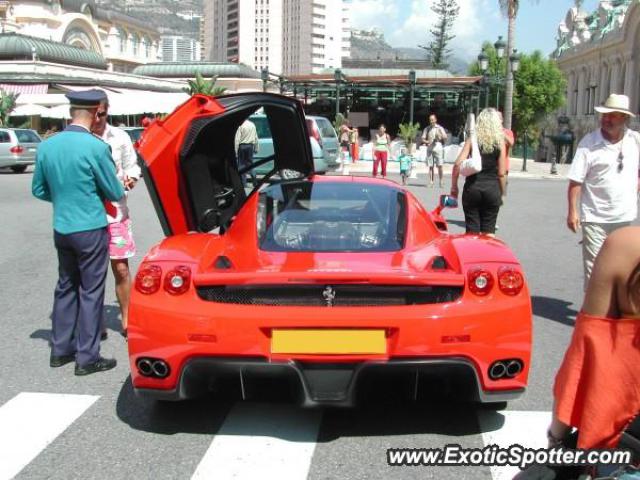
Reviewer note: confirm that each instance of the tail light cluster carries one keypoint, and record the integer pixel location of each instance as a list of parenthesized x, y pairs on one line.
[(481, 281), (313, 130), (18, 149), (176, 281)]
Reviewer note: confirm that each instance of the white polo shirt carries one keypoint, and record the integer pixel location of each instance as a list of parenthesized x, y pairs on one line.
[(126, 160), (608, 196)]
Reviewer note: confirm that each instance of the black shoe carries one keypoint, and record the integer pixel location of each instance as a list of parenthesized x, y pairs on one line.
[(103, 335), (100, 365), (60, 360)]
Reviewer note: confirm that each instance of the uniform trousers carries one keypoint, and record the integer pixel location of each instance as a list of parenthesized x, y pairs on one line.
[(83, 258)]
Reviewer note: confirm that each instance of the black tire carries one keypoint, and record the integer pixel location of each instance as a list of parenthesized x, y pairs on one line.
[(493, 406), (19, 168)]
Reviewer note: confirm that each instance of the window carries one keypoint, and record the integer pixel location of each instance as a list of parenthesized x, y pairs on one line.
[(4, 137), (319, 217), (27, 136)]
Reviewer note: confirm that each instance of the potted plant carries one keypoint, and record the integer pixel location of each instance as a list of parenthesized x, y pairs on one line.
[(408, 132)]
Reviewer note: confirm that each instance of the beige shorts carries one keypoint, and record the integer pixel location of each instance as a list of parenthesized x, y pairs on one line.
[(593, 237)]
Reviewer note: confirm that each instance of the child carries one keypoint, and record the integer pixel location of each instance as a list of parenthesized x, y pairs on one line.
[(405, 165)]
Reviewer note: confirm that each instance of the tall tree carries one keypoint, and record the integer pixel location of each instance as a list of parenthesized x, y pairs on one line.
[(509, 9), (540, 89), (447, 12)]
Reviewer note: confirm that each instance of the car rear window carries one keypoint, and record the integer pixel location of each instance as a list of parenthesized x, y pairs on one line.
[(326, 129), (304, 216), (27, 136), (262, 126), (4, 137)]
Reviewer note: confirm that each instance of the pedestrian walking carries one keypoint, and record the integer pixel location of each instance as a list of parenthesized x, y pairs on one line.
[(121, 243), (381, 151), (406, 162), (246, 143), (434, 137), (483, 192), (353, 144), (603, 179), (75, 172)]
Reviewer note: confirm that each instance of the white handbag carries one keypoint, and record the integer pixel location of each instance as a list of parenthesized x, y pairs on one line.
[(473, 164)]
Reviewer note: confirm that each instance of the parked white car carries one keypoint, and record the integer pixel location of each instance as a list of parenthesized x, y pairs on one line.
[(18, 148)]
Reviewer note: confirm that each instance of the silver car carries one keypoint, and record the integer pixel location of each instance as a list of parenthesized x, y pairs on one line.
[(323, 132), (18, 148)]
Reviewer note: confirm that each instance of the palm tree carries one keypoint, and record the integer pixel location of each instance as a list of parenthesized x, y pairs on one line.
[(204, 87), (7, 104), (510, 10)]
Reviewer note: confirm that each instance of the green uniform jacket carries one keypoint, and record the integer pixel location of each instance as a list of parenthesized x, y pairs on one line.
[(75, 171)]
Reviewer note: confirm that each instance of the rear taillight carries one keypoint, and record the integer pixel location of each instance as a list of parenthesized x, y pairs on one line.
[(18, 149), (148, 279), (177, 280), (510, 281), (480, 281), (315, 133)]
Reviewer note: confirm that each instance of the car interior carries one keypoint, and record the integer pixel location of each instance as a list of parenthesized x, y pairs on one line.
[(208, 159)]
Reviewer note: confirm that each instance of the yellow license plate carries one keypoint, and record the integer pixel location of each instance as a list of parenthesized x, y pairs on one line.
[(328, 342)]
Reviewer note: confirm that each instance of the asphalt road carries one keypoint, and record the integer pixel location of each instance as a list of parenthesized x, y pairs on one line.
[(116, 435)]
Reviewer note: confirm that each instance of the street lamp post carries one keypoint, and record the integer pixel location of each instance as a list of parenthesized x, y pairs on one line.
[(264, 74), (337, 74), (483, 61), (412, 87)]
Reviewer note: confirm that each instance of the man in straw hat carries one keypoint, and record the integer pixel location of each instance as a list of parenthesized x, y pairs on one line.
[(75, 172), (604, 176)]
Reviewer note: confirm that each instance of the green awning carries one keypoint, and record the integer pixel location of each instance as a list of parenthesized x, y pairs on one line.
[(14, 46), (189, 69)]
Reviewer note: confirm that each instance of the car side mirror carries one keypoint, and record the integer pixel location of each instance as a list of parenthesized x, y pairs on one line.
[(447, 201)]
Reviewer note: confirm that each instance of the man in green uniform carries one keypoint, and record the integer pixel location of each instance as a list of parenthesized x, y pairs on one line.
[(75, 172)]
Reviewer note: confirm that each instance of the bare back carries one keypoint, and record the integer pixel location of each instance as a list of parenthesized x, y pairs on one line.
[(614, 287)]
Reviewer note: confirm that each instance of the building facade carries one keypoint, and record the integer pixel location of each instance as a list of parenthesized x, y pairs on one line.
[(176, 48), (288, 37), (124, 42), (598, 54)]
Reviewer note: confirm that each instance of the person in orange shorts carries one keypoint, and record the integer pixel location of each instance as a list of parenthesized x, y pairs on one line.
[(596, 388)]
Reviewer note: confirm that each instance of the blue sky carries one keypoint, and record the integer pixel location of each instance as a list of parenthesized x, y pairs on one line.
[(406, 23)]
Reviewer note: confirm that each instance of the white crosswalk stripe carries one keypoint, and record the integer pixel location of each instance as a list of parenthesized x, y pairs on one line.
[(29, 422), (523, 428), (275, 440)]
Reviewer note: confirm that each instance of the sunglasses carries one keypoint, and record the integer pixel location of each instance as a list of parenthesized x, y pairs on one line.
[(101, 114), (620, 160)]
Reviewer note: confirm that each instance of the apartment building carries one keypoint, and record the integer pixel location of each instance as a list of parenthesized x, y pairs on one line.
[(176, 48), (289, 37)]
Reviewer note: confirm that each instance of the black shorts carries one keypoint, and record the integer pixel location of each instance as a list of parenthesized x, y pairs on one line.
[(481, 203)]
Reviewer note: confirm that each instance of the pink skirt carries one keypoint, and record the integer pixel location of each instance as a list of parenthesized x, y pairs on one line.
[(121, 244)]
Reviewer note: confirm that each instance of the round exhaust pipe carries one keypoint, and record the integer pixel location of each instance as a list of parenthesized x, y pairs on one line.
[(514, 367), (497, 370), (160, 369), (145, 367)]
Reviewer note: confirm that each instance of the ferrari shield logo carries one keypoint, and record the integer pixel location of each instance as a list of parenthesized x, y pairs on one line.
[(329, 294)]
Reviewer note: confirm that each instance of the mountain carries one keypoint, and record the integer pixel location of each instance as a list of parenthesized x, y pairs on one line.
[(169, 17), (371, 45)]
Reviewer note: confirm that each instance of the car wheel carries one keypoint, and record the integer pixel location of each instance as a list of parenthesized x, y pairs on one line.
[(493, 406), (19, 168)]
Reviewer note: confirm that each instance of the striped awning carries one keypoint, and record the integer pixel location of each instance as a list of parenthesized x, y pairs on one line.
[(24, 87)]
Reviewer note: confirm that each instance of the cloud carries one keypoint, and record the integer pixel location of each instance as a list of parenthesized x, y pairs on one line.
[(380, 14), (410, 26)]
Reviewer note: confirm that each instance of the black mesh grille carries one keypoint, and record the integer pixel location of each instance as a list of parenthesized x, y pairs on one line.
[(320, 295)]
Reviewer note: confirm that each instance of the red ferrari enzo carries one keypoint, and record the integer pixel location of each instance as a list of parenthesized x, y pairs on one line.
[(322, 281)]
